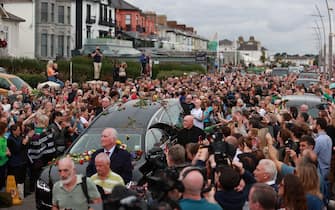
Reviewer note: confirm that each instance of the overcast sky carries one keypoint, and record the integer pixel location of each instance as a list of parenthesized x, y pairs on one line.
[(280, 25)]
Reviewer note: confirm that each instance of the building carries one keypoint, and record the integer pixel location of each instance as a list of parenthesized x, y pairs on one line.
[(92, 19), (297, 60), (46, 33), (9, 32), (178, 37), (251, 51), (228, 52)]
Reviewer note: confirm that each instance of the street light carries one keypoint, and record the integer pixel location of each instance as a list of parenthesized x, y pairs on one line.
[(330, 56), (324, 38), (319, 39)]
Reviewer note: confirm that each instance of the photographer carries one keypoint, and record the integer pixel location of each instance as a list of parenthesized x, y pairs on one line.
[(97, 61)]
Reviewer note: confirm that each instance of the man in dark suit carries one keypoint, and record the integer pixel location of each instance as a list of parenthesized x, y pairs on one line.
[(190, 133), (120, 159)]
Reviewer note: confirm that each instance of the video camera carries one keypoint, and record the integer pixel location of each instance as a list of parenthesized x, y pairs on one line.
[(223, 151), (291, 144)]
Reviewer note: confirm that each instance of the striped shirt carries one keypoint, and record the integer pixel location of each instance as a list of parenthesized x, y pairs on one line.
[(108, 183)]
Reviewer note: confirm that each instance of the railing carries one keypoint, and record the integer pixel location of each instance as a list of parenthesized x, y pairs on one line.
[(109, 23), (90, 20)]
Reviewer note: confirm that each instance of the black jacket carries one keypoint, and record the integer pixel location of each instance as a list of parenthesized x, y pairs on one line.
[(19, 151), (230, 200), (186, 136), (120, 164)]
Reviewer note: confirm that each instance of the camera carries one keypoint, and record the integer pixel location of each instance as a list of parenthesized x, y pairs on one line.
[(223, 151), (291, 144)]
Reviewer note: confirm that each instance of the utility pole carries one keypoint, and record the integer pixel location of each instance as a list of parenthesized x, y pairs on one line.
[(318, 32), (330, 56), (324, 38), (319, 39)]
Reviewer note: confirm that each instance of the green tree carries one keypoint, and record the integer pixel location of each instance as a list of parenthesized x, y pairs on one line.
[(263, 58)]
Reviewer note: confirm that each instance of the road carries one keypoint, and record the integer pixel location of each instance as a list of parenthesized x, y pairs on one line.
[(28, 204)]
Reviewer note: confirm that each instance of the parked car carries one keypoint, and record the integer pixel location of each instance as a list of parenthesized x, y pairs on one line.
[(314, 102), (7, 80), (141, 125), (3, 70), (281, 72), (306, 82), (309, 75), (295, 69)]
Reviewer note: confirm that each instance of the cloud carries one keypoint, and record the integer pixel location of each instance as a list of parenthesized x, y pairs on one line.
[(284, 25)]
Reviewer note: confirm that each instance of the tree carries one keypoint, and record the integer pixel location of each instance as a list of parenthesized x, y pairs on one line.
[(263, 58)]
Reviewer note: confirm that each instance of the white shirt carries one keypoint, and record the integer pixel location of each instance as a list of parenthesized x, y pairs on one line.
[(198, 121)]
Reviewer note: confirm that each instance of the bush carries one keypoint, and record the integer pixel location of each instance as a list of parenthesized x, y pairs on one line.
[(32, 79), (34, 71)]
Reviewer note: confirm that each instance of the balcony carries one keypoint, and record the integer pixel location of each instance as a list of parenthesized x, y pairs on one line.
[(90, 20), (109, 23)]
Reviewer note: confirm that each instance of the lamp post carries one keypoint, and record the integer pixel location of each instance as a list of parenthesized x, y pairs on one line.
[(324, 38), (318, 32), (330, 56), (319, 39)]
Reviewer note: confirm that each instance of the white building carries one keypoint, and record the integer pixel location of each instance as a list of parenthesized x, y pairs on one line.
[(92, 19), (19, 32), (251, 51), (46, 34)]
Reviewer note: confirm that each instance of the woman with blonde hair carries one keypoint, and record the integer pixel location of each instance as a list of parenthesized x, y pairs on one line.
[(52, 74), (123, 72)]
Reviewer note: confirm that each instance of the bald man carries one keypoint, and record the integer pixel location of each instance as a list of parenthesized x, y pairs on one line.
[(190, 133), (193, 182), (67, 193), (120, 160)]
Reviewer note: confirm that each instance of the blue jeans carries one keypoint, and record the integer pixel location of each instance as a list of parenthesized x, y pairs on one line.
[(54, 79)]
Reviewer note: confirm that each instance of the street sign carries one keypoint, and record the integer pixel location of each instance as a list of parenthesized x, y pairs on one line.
[(201, 57)]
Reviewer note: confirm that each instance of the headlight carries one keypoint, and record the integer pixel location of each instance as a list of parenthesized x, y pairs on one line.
[(42, 185)]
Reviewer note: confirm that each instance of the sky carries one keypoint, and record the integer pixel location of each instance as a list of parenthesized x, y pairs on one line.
[(280, 25)]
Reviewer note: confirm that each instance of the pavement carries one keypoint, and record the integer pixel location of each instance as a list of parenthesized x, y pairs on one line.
[(28, 204)]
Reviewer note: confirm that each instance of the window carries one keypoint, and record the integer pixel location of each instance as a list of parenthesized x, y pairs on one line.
[(44, 45), (69, 15), (44, 12), (4, 83), (68, 46), (128, 19), (88, 32), (52, 45), (60, 46), (105, 13), (88, 12), (61, 14), (52, 13)]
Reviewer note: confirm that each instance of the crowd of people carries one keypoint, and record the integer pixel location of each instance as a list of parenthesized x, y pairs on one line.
[(239, 147)]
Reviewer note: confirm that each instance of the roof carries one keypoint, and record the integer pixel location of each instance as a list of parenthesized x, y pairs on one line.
[(9, 16), (249, 46), (121, 4), (225, 42)]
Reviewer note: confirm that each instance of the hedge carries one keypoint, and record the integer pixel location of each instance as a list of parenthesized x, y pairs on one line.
[(33, 71)]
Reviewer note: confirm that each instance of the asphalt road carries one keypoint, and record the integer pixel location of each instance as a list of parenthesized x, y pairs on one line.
[(28, 204)]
